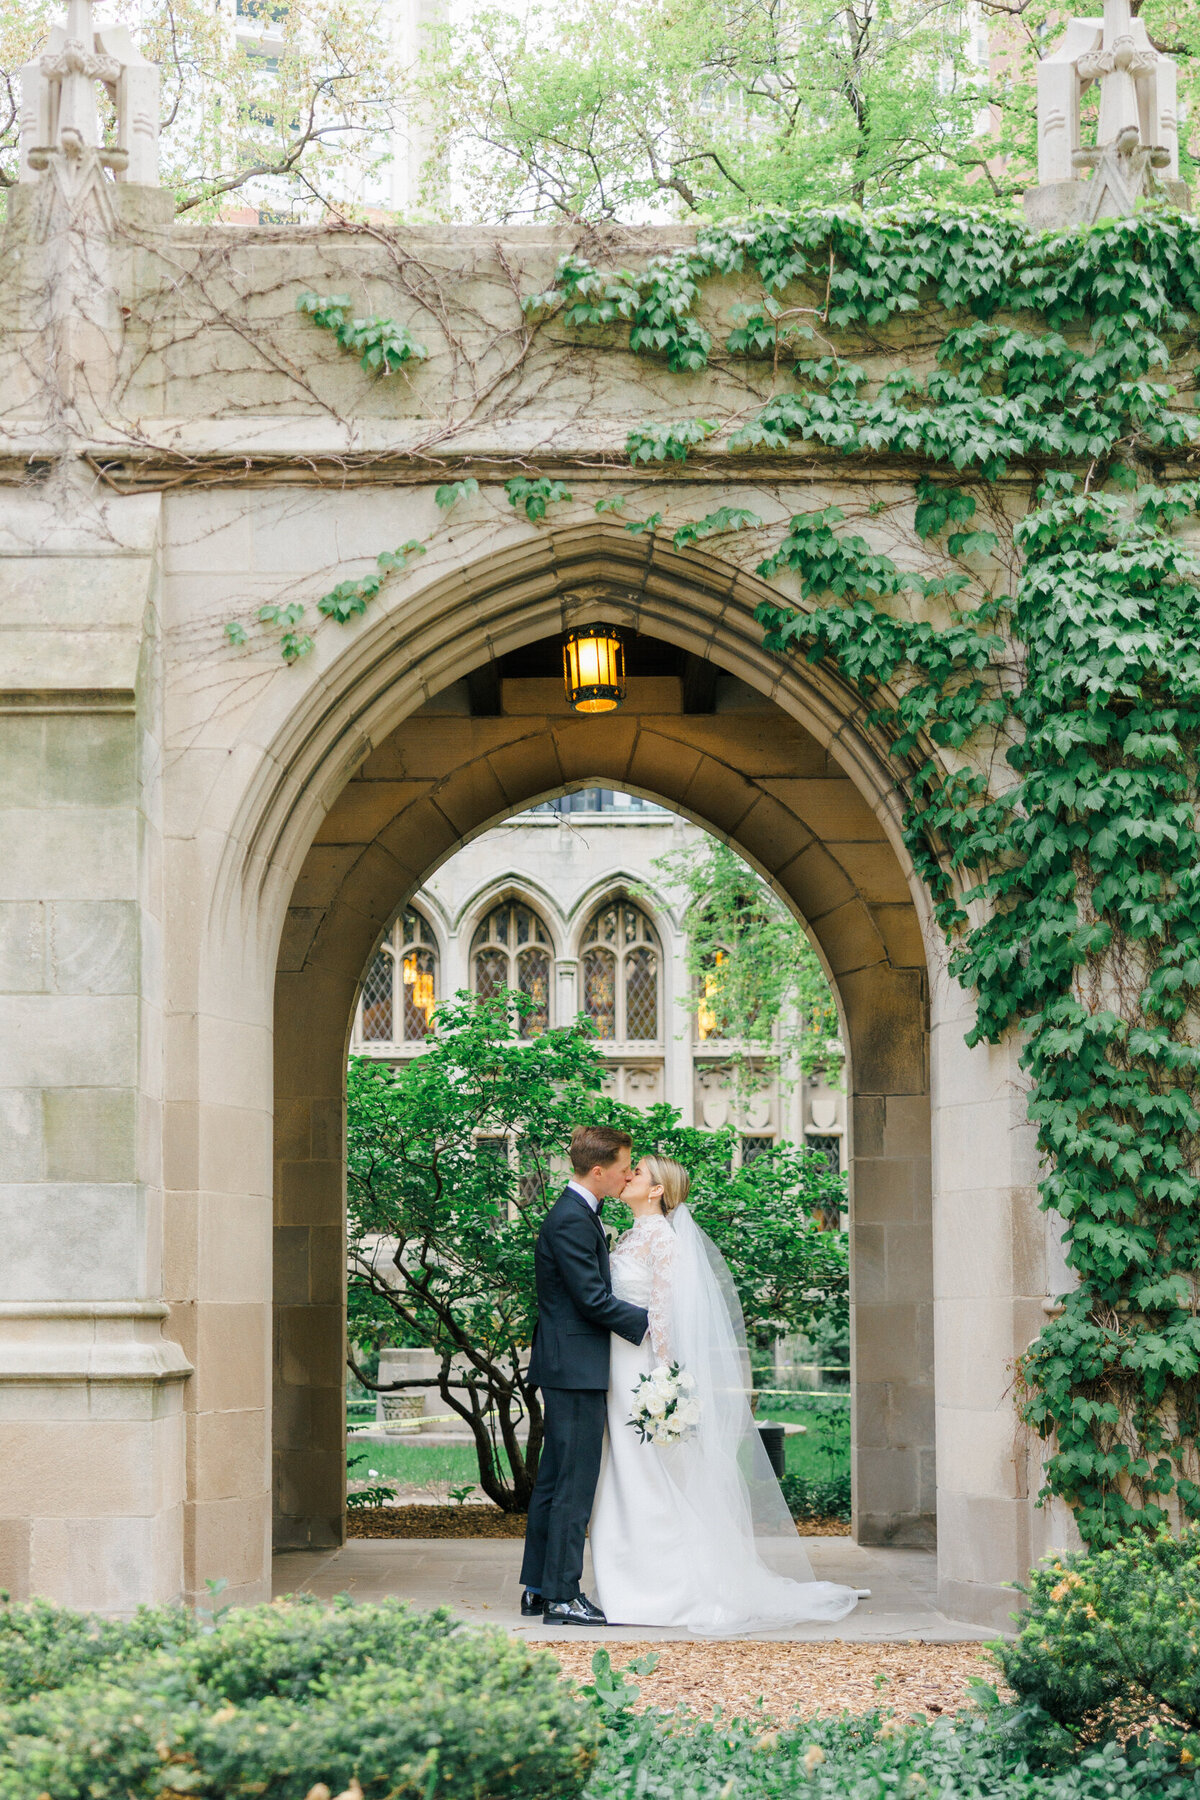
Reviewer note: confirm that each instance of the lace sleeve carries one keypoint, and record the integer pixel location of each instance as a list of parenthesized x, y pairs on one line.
[(661, 1259)]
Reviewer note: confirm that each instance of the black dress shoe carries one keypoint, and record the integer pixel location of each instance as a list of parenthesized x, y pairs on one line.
[(580, 1611), (531, 1604)]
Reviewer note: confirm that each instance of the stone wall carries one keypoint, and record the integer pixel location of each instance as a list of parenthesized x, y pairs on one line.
[(208, 844)]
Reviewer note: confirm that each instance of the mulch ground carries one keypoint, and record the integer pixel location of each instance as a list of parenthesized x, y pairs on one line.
[(824, 1679), (433, 1522), (485, 1522)]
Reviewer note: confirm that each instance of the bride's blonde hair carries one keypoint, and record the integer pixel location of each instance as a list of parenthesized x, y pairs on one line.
[(671, 1177)]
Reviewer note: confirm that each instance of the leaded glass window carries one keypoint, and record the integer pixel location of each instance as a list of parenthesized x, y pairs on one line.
[(417, 973), (512, 948), (399, 991), (600, 991), (621, 973), (641, 995), (828, 1145), (491, 973), (533, 979), (708, 986), (754, 1147), (377, 999)]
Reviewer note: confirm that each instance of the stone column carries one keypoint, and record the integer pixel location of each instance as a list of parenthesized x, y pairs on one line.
[(91, 1423), (990, 1276), (567, 994), (677, 1031)]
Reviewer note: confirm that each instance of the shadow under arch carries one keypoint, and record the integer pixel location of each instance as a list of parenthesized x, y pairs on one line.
[(757, 777), (437, 633)]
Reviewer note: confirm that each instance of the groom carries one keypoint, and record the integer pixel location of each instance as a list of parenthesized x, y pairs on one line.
[(577, 1311)]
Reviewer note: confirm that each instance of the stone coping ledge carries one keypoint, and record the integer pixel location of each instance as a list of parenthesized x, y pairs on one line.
[(84, 1309)]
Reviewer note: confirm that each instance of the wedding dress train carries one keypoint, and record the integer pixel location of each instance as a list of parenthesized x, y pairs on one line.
[(676, 1529)]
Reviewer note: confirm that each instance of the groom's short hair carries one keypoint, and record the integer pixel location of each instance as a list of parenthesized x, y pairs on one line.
[(592, 1144)]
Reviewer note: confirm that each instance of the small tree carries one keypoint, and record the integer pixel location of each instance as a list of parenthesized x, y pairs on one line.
[(702, 107), (295, 103), (751, 967), (454, 1159)]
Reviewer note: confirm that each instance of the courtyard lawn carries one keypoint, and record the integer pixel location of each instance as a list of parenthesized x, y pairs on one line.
[(823, 1452), (824, 1449), (432, 1466)]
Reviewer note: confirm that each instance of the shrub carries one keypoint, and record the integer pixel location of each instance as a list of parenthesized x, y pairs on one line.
[(43, 1646), (869, 1758), (983, 1753), (1111, 1636), (274, 1700), (817, 1496)]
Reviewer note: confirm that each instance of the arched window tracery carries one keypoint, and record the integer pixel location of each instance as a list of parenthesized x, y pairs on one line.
[(399, 990), (512, 948), (707, 985), (622, 973)]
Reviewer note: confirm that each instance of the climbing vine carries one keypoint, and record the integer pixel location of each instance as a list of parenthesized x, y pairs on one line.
[(1038, 682), (1047, 725)]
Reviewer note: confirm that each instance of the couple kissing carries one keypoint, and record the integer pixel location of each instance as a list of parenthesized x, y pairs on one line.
[(650, 1449)]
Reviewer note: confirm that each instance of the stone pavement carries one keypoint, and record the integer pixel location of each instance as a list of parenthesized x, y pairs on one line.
[(477, 1578)]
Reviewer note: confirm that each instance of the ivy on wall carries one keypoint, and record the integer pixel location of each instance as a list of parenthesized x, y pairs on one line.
[(1040, 689), (1048, 728)]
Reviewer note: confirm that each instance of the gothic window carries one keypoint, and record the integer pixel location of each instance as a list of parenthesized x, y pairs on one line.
[(377, 999), (533, 979), (512, 949), (641, 995), (399, 991), (828, 1145), (754, 1147), (708, 986), (621, 973)]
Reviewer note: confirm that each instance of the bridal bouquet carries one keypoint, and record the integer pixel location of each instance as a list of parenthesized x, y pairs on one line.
[(665, 1409)]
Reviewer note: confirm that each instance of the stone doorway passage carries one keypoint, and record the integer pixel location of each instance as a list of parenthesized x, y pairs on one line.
[(714, 747)]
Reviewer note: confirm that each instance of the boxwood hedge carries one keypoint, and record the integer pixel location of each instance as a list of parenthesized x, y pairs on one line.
[(275, 1700)]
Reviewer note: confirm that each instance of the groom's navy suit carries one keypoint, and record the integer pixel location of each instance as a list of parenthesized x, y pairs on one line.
[(577, 1311)]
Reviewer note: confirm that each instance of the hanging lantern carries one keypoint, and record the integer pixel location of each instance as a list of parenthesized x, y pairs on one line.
[(594, 667)]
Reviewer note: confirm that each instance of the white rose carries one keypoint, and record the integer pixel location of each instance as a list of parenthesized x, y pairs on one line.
[(689, 1413), (656, 1405)]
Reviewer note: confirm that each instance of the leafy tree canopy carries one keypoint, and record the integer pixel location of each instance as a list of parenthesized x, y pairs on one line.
[(640, 110), (297, 104), (453, 1160), (753, 971), (666, 107)]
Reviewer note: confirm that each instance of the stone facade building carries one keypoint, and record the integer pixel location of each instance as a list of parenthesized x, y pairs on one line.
[(565, 904), (206, 836)]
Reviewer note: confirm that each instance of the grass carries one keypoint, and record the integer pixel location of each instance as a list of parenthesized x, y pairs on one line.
[(419, 1465), (825, 1450)]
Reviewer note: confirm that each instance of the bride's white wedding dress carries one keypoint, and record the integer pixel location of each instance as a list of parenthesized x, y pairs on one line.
[(676, 1529)]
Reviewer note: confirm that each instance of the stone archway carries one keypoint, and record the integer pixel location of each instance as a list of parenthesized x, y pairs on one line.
[(755, 776), (351, 798)]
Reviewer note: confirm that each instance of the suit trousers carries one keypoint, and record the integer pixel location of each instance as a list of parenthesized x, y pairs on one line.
[(568, 1471)]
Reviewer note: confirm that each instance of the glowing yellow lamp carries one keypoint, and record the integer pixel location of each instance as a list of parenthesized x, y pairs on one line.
[(421, 982), (594, 667), (707, 1018)]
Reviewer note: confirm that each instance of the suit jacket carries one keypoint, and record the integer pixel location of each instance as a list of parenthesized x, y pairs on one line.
[(577, 1308)]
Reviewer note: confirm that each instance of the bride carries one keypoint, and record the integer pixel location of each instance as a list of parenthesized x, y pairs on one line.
[(676, 1527)]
